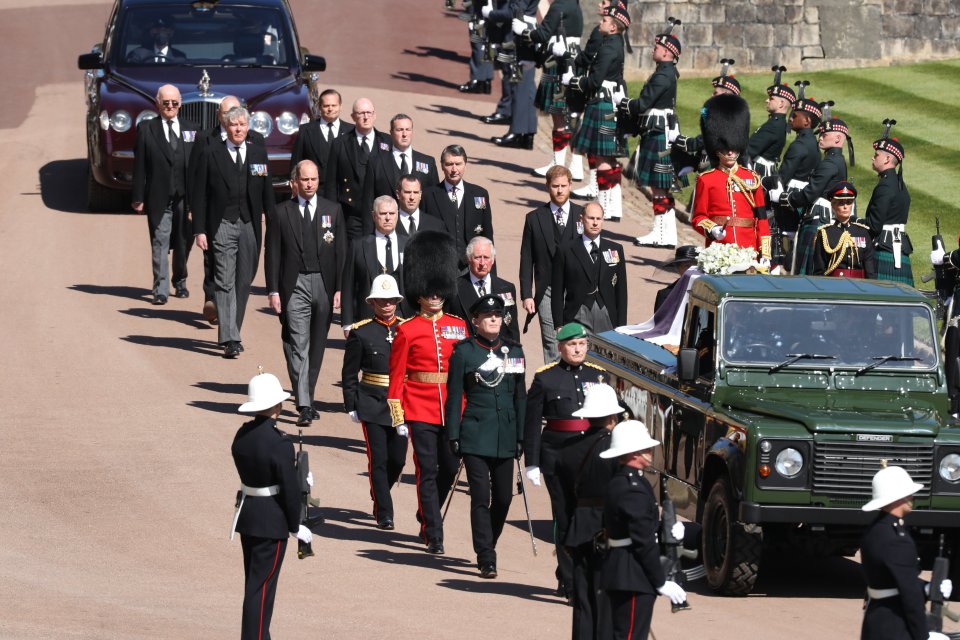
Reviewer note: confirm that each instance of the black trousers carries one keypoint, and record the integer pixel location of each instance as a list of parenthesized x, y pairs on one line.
[(436, 468), (632, 613), (551, 444), (591, 607), (262, 559), (491, 491), (386, 455), (209, 276)]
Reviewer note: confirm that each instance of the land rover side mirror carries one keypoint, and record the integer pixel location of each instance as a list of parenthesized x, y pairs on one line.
[(687, 362), (89, 61), (314, 63)]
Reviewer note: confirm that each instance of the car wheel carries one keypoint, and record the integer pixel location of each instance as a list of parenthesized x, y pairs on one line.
[(102, 199), (731, 551)]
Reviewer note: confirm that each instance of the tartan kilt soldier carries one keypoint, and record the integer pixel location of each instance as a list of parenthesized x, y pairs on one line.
[(888, 210), (767, 142)]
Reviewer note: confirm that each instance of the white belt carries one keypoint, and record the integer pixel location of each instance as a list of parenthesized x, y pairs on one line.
[(569, 40), (610, 85), (880, 594), (770, 164), (619, 542), (796, 184), (822, 202), (256, 492), (658, 113), (895, 227)]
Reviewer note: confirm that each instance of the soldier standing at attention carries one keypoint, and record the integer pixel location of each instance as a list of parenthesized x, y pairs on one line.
[(766, 144), (843, 249), (487, 385), (888, 210), (365, 378), (895, 592), (632, 575), (950, 263), (558, 389)]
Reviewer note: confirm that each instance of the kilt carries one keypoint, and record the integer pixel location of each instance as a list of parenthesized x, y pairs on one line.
[(652, 170), (803, 249), (886, 270), (549, 84), (598, 136)]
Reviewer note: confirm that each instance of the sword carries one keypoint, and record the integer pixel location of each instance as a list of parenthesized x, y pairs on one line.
[(526, 507), (453, 489)]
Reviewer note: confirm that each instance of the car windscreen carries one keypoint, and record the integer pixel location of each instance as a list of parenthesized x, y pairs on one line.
[(224, 36), (853, 334)]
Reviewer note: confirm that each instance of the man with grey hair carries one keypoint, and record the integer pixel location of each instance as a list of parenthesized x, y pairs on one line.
[(463, 207), (480, 281), (160, 158), (306, 250), (232, 192), (372, 255)]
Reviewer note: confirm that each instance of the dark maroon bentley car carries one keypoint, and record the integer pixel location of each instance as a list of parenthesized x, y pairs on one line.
[(208, 49)]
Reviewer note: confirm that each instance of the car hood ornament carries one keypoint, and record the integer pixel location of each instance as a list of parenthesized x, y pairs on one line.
[(204, 84)]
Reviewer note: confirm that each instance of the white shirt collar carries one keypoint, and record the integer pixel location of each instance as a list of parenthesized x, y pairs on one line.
[(486, 280), (313, 203), (587, 241)]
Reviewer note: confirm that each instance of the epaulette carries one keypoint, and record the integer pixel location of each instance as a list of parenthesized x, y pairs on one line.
[(402, 320), (706, 171), (547, 366), (360, 323), (595, 366), (453, 316), (824, 226), (860, 224)]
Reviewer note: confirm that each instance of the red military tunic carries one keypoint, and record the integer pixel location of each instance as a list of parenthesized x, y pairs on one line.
[(733, 200), (418, 367)]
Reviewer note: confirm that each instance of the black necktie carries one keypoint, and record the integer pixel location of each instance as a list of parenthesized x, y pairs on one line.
[(481, 290), (559, 214), (413, 226), (388, 256), (329, 132), (171, 135), (306, 210), (594, 251), (364, 149), (238, 161), (404, 169)]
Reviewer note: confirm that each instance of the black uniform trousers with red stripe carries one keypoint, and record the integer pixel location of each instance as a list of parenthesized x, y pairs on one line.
[(632, 613), (386, 455), (262, 559), (436, 469)]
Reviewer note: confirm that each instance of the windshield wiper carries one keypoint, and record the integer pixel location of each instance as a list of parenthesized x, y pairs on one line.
[(883, 360), (795, 357)]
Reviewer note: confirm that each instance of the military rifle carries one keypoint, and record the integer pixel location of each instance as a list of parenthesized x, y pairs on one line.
[(938, 606), (305, 549), (670, 548)]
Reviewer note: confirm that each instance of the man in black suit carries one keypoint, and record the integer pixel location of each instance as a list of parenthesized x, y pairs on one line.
[(590, 278), (159, 50), (385, 169), (218, 135), (545, 230), (305, 257), (463, 207), (232, 193), (412, 219), (315, 138), (480, 281), (348, 162), (160, 156), (375, 254)]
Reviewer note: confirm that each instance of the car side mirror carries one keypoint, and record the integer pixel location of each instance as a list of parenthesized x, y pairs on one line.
[(314, 63), (89, 61), (687, 365)]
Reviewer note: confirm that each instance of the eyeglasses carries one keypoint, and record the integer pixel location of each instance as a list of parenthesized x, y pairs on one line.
[(363, 114), (170, 103)]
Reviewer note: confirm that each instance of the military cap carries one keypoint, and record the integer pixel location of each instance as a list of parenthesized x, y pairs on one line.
[(570, 331), (778, 89), (833, 124), (843, 192), (486, 304), (891, 146), (725, 124), (620, 14), (729, 83), (810, 107)]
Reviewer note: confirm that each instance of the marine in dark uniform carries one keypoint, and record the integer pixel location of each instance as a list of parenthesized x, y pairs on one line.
[(949, 286), (632, 574), (843, 249), (766, 144), (558, 389), (522, 87), (486, 400), (365, 379), (895, 592), (887, 212)]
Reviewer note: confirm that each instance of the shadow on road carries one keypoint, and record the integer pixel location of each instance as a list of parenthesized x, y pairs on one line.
[(239, 390), (435, 52), (120, 291), (63, 187), (189, 318), (205, 347), (334, 442), (499, 587), (542, 530), (411, 76), (448, 110), (214, 407), (801, 577), (420, 559)]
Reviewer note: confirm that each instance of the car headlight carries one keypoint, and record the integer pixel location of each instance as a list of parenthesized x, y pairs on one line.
[(104, 120), (121, 121), (287, 123), (950, 467), (789, 462), (304, 118), (145, 115), (261, 123)]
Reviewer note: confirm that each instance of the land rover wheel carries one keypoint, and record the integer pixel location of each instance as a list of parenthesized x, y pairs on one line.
[(731, 552)]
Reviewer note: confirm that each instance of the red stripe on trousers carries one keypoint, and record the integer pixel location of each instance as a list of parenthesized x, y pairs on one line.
[(633, 606), (263, 589), (373, 496)]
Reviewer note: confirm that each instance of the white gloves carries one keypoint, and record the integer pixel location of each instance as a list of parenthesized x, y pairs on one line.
[(933, 635), (764, 261), (310, 479), (402, 430), (354, 416), (677, 531), (518, 26), (937, 255), (558, 48), (718, 233), (566, 77), (304, 535), (946, 588), (619, 95), (775, 195), (673, 133), (485, 10), (533, 475), (673, 591)]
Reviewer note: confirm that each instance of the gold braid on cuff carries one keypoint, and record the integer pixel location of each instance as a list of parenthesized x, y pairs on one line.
[(396, 411)]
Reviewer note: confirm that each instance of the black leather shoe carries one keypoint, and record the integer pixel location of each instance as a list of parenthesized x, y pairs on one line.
[(314, 413), (386, 524), (435, 547), (239, 347), (159, 299), (182, 292), (515, 140), (496, 118), (476, 86), (488, 571), (306, 417), (231, 349)]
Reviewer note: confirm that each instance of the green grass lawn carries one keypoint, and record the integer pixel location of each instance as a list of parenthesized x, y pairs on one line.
[(923, 98)]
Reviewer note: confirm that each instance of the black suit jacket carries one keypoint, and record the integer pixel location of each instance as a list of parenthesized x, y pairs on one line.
[(474, 213), (426, 221), (362, 267), (467, 295), (154, 161), (538, 247), (213, 182), (311, 143), (575, 275), (205, 139), (344, 176), (283, 261), (383, 175)]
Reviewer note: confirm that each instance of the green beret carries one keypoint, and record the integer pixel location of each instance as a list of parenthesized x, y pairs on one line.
[(571, 330)]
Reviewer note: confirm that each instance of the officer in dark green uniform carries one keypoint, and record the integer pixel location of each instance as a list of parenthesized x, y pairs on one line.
[(888, 211), (488, 372)]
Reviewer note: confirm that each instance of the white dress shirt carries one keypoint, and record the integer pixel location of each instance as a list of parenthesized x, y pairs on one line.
[(459, 187), (313, 206), (564, 213), (381, 242), (176, 128), (405, 219), (242, 149), (486, 283)]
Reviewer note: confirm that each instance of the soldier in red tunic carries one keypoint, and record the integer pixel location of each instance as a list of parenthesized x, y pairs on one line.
[(729, 205), (418, 373)]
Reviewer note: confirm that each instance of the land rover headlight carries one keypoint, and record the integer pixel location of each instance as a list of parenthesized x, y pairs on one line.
[(950, 467), (146, 114), (287, 123), (120, 121), (261, 123), (789, 462)]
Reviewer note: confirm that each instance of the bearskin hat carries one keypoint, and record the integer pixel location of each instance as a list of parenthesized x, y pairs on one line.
[(429, 266), (725, 124)]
